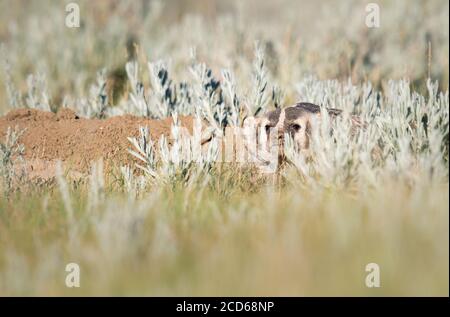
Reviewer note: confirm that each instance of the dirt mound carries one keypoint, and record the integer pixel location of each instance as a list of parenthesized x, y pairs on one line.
[(76, 141)]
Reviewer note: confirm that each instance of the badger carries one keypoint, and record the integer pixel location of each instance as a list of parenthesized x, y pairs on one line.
[(263, 137), (297, 121)]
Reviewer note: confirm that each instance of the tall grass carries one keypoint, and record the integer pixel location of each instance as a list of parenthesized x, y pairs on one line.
[(180, 242), (186, 224)]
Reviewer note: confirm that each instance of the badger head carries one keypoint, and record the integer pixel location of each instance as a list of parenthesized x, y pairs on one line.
[(297, 121)]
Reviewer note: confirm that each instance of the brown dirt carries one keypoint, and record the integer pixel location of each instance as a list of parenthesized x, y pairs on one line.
[(76, 141)]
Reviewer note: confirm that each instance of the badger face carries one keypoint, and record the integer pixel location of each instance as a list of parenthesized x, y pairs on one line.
[(298, 124), (297, 121)]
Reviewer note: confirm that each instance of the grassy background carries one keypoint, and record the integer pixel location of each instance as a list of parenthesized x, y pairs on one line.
[(300, 38), (240, 234)]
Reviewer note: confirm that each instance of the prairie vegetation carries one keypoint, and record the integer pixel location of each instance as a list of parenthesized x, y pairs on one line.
[(171, 226)]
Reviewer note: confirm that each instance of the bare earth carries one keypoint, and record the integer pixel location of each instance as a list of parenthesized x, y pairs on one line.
[(77, 142)]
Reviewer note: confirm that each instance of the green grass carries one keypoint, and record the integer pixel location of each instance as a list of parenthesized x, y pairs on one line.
[(271, 242), (381, 196)]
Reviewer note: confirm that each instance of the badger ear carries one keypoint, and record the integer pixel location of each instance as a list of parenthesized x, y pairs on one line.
[(334, 112)]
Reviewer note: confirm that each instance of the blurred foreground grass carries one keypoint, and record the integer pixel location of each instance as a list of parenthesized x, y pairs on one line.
[(271, 242)]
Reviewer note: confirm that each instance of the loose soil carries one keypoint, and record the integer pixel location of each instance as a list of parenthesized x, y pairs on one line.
[(77, 142)]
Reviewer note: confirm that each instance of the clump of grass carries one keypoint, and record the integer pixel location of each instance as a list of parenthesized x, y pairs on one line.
[(11, 152)]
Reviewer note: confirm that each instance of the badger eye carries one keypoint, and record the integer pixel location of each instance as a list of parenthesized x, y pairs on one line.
[(296, 127)]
